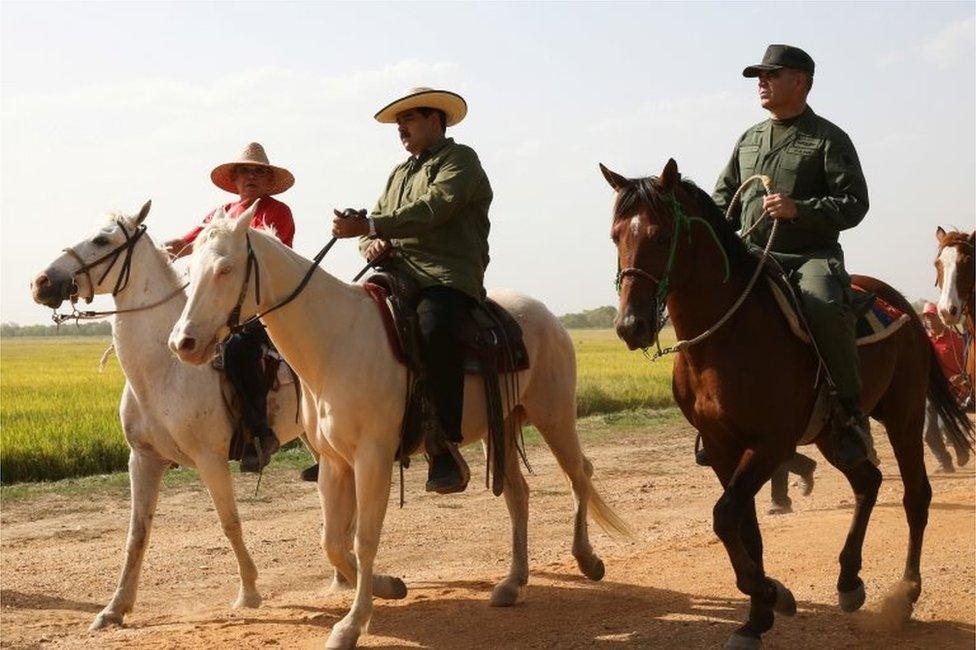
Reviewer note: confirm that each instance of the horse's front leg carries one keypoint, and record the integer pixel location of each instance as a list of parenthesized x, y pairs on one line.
[(372, 478), (215, 474), (337, 493), (146, 469), (735, 523)]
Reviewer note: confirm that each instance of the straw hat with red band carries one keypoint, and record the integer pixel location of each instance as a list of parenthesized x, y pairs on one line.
[(223, 175), (453, 105)]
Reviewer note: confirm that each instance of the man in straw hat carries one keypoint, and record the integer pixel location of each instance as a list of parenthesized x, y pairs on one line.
[(819, 190), (431, 223), (251, 177)]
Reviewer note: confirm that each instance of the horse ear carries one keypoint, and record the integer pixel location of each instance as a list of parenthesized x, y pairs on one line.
[(670, 176), (940, 234), (143, 213), (617, 182), (244, 221)]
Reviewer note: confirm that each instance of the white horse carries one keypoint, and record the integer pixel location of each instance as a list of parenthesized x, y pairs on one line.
[(332, 335), (171, 412)]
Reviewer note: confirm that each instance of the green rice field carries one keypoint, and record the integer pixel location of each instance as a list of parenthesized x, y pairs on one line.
[(59, 414)]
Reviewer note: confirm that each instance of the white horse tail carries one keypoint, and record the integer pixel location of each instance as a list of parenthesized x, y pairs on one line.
[(605, 516)]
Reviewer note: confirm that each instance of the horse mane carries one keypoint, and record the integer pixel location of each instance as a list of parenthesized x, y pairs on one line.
[(226, 225), (955, 238), (647, 191)]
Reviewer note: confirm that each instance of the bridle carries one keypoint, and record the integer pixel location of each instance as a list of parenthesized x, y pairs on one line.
[(128, 248), (123, 280), (252, 266), (683, 222)]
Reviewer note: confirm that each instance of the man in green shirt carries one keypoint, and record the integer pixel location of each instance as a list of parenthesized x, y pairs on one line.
[(431, 224), (819, 190)]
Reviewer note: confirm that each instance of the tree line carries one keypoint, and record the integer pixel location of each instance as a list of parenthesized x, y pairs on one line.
[(103, 328)]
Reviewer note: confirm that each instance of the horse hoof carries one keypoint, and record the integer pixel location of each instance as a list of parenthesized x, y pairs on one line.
[(593, 569), (777, 509), (962, 457), (785, 603), (104, 620), (248, 600), (506, 594), (742, 642), (342, 638), (851, 601), (389, 587)]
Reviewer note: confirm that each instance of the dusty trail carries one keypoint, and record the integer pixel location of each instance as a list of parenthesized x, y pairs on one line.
[(61, 555)]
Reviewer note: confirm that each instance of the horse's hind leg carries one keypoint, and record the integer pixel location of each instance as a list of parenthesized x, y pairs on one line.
[(907, 443), (865, 480), (510, 590), (557, 423), (146, 471), (215, 474)]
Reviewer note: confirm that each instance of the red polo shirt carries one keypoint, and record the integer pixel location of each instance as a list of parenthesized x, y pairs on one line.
[(950, 348), (271, 212)]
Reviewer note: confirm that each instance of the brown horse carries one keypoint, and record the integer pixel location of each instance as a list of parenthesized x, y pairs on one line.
[(955, 275), (747, 388)]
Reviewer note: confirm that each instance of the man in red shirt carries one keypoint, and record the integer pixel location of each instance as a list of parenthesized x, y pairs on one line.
[(251, 177), (950, 348)]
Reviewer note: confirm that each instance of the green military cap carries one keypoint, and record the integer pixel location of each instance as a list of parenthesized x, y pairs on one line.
[(781, 56)]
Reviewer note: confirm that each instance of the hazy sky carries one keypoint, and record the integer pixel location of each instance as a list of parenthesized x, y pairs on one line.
[(106, 105)]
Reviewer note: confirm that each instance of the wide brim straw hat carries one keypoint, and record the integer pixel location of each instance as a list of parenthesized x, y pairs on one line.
[(223, 175), (453, 105)]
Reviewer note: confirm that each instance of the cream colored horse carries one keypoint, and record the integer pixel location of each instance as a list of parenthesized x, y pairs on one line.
[(333, 336), (171, 412)]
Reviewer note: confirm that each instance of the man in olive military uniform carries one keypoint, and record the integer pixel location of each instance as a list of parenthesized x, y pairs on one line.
[(819, 190), (431, 224)]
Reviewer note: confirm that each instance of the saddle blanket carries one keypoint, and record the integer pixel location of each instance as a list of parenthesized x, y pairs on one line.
[(878, 322)]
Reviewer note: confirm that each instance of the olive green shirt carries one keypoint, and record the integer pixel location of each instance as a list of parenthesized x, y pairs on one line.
[(815, 164), (434, 211)]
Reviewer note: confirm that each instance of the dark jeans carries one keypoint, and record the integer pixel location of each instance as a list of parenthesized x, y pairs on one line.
[(440, 312), (780, 481), (242, 363)]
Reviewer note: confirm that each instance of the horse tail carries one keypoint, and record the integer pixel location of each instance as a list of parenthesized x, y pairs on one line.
[(956, 424), (605, 516)]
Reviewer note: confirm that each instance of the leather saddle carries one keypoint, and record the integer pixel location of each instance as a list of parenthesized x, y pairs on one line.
[(489, 329), (493, 347)]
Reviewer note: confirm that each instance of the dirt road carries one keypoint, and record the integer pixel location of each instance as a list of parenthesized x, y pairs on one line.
[(673, 587)]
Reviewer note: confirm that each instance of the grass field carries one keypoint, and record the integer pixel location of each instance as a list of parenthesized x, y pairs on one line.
[(59, 414)]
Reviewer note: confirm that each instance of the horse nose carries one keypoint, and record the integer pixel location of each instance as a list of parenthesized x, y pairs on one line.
[(40, 281), (953, 310), (186, 344), (632, 329)]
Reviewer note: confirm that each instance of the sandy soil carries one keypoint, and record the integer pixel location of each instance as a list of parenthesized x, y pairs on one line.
[(673, 587)]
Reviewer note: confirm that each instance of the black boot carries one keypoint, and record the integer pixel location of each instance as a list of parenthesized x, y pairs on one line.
[(311, 474), (258, 454), (850, 432), (701, 456), (448, 472)]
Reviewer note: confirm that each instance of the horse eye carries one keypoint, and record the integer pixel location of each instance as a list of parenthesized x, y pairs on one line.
[(223, 270), (100, 240)]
